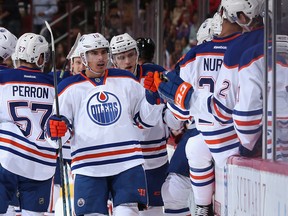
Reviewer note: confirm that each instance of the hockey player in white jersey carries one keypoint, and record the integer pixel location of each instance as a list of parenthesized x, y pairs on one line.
[(7, 46), (248, 111), (101, 107), (76, 65), (27, 161), (177, 191), (200, 68), (153, 141)]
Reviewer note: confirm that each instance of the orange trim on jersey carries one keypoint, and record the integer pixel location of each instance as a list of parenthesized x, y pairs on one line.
[(180, 117), (25, 148), (70, 85), (218, 113), (231, 67), (105, 76), (251, 62), (154, 149), (140, 73), (228, 39), (248, 123), (191, 60), (106, 154), (202, 177), (269, 123), (225, 139), (212, 54), (28, 83), (29, 69)]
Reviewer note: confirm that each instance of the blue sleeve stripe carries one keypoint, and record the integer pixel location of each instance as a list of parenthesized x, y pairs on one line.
[(222, 107), (110, 145), (203, 183), (13, 151), (196, 170), (183, 112), (249, 131), (248, 113), (27, 141), (222, 131), (105, 162), (223, 149)]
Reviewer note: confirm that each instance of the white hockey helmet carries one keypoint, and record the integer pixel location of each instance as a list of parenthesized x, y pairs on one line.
[(75, 53), (89, 42), (7, 43), (29, 47), (204, 32), (122, 43), (251, 8), (216, 23)]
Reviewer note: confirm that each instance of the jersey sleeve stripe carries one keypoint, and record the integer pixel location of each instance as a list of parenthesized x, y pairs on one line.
[(248, 113), (225, 148), (218, 141), (106, 154), (247, 123)]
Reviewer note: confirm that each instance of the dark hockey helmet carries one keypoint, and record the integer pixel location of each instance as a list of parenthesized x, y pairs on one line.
[(146, 47)]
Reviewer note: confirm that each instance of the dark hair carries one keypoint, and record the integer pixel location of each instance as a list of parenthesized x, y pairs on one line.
[(146, 47)]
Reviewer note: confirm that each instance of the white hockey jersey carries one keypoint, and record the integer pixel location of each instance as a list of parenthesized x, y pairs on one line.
[(153, 141), (104, 112), (200, 67), (248, 111), (27, 97), (222, 103)]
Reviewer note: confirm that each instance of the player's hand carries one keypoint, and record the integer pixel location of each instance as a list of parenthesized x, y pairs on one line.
[(57, 127), (152, 97), (149, 82), (173, 89)]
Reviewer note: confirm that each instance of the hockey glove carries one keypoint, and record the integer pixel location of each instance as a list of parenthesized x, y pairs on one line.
[(149, 82), (57, 127), (173, 89), (152, 97)]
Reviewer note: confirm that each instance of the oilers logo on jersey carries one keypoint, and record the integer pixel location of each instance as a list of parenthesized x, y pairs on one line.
[(104, 108)]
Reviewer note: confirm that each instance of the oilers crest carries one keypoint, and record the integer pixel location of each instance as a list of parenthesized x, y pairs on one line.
[(104, 108)]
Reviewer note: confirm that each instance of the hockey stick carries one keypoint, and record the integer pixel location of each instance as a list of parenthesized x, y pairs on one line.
[(58, 114), (68, 188), (70, 54)]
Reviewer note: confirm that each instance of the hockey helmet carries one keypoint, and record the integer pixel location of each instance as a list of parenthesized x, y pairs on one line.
[(204, 33), (122, 43), (89, 42), (29, 47), (146, 47), (7, 43), (251, 8)]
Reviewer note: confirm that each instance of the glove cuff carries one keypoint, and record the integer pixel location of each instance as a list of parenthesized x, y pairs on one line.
[(181, 94)]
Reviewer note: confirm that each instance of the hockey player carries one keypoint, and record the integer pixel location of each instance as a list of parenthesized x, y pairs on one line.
[(200, 68), (248, 112), (177, 191), (101, 107), (27, 161), (7, 46), (153, 141), (146, 48), (76, 65)]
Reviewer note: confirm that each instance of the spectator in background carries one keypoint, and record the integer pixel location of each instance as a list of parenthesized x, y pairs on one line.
[(193, 30), (10, 16), (177, 11), (184, 27), (177, 54), (43, 10)]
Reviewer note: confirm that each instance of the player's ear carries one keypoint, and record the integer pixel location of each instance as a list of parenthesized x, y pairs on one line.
[(41, 59)]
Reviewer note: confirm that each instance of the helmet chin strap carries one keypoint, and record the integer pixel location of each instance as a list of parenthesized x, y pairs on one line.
[(245, 26), (94, 72)]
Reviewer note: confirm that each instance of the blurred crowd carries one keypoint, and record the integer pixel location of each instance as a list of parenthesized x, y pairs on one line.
[(181, 22)]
